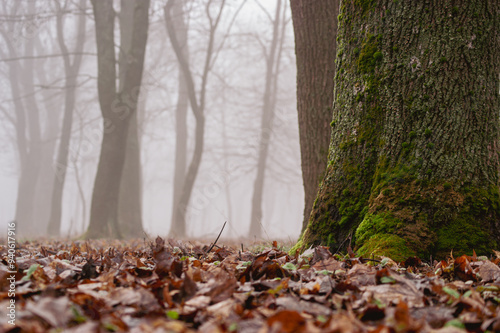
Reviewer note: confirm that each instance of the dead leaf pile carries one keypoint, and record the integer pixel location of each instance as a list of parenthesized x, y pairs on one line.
[(137, 286)]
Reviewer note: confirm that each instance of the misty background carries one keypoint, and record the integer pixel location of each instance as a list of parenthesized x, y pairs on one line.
[(33, 86)]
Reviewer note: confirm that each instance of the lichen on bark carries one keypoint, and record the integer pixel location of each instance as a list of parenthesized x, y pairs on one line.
[(413, 165)]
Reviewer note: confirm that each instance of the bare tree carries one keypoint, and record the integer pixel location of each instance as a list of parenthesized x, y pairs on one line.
[(178, 227), (272, 58), (118, 106), (181, 131), (71, 69), (20, 31)]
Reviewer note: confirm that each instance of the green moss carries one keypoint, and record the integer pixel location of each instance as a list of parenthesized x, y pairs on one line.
[(469, 230), (298, 246), (374, 224), (427, 132), (412, 134), (365, 5), (462, 236), (387, 245), (368, 56)]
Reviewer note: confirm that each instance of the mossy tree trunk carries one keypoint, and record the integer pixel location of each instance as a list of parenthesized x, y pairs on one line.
[(413, 163), (315, 29)]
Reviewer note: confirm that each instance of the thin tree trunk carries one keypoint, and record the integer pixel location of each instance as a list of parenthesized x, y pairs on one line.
[(71, 70), (315, 28), (414, 161), (269, 101), (178, 227), (181, 135)]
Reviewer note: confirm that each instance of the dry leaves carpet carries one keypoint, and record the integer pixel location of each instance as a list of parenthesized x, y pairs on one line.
[(174, 286)]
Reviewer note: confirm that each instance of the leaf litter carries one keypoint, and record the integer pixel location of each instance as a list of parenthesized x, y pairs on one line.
[(177, 286)]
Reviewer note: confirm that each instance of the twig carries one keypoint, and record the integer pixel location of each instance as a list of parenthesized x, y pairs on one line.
[(366, 259), (343, 242), (220, 233)]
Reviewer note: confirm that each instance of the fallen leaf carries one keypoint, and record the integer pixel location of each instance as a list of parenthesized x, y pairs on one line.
[(489, 272), (55, 311), (287, 321)]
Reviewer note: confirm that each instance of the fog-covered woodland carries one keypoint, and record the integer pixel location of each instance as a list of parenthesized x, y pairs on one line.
[(213, 128)]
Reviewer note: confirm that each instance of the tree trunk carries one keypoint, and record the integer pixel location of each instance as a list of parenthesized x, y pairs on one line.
[(181, 110), (71, 70), (117, 108), (315, 28), (52, 128), (413, 163), (178, 227), (130, 199), (29, 124), (269, 103)]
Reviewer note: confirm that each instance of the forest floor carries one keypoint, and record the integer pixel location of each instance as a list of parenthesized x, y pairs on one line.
[(182, 286)]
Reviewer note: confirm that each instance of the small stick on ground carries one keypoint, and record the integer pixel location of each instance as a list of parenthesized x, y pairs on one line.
[(213, 244)]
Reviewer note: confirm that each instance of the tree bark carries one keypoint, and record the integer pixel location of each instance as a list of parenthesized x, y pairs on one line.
[(315, 30), (414, 162), (117, 108), (71, 69)]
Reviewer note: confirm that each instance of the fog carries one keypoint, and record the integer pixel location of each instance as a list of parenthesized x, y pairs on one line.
[(241, 118)]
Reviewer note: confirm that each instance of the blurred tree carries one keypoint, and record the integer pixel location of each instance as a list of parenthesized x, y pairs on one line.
[(130, 199), (272, 59), (196, 101), (315, 28), (181, 112), (414, 162), (71, 69), (118, 107), (21, 28)]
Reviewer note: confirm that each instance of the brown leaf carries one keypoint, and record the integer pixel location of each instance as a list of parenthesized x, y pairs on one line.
[(412, 262), (55, 311), (142, 299), (388, 293), (329, 264), (287, 321), (361, 275), (489, 272), (463, 269)]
